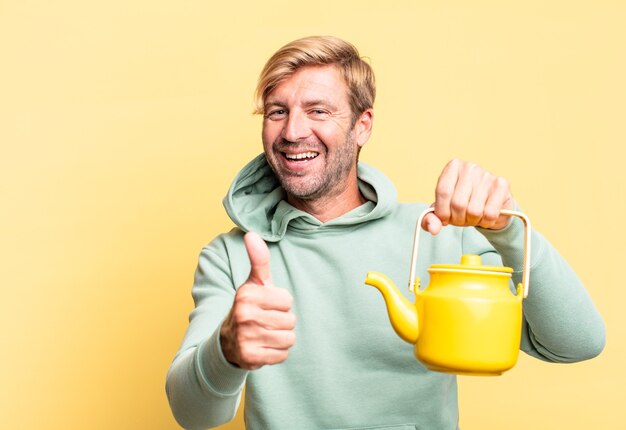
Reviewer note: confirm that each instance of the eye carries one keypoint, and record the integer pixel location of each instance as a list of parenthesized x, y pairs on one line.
[(319, 113), (276, 113)]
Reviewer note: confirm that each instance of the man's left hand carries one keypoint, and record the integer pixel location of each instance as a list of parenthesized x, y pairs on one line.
[(468, 195)]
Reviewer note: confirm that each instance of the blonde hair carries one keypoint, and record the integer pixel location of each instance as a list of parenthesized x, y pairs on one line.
[(319, 51)]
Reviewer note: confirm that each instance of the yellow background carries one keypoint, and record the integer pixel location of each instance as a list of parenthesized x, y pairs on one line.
[(123, 122)]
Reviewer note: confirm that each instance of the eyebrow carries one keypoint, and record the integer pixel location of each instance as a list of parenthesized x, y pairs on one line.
[(320, 102), (306, 104), (274, 104)]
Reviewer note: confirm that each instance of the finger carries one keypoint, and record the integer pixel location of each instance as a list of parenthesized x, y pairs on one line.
[(278, 320), (259, 255), (432, 224), (465, 185), (268, 298), (500, 198), (278, 339), (480, 194), (275, 356), (252, 357), (277, 299), (445, 190)]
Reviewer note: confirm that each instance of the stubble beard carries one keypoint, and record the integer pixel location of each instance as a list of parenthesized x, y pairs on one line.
[(317, 185)]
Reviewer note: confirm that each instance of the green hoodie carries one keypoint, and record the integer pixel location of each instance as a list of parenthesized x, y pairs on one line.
[(348, 369)]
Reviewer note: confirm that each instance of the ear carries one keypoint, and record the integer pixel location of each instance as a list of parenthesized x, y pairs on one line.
[(363, 127)]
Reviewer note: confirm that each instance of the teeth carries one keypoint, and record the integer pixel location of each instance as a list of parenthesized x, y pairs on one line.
[(301, 156)]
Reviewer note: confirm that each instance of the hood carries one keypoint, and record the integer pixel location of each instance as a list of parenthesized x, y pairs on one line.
[(257, 202)]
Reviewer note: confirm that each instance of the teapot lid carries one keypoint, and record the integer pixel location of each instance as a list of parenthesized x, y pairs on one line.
[(472, 262)]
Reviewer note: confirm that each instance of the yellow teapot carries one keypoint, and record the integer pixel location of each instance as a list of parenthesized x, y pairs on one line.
[(466, 321)]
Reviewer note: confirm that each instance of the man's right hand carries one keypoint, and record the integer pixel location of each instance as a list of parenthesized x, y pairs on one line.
[(259, 329)]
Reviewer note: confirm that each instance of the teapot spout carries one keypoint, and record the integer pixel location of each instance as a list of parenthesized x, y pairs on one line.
[(402, 313)]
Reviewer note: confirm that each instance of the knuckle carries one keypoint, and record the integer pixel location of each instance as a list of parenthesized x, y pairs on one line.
[(491, 215), (288, 300), (455, 162), (244, 294), (284, 297), (290, 338), (245, 350), (281, 356), (291, 320), (443, 191), (474, 212), (487, 178), (243, 338), (457, 205), (247, 354), (502, 182), (242, 314)]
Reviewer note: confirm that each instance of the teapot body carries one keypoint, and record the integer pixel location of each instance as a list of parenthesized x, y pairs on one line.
[(469, 323)]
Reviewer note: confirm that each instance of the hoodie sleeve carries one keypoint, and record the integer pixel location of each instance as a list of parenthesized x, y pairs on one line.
[(203, 389), (561, 323)]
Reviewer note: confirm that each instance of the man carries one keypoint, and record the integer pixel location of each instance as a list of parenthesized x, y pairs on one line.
[(284, 310)]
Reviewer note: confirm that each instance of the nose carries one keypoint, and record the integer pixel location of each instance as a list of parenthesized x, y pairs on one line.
[(296, 127)]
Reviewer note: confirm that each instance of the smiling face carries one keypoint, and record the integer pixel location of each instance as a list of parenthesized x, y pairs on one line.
[(309, 137)]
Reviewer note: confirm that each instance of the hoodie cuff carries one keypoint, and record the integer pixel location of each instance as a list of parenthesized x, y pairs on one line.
[(217, 373)]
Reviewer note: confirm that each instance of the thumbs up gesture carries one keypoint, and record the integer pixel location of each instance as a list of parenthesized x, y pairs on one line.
[(258, 330)]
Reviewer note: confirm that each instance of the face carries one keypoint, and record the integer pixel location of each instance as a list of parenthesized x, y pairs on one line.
[(308, 135)]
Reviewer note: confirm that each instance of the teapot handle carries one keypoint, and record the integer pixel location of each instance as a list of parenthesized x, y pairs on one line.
[(526, 271)]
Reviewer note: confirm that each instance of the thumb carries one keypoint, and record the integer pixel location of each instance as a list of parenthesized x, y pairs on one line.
[(259, 255)]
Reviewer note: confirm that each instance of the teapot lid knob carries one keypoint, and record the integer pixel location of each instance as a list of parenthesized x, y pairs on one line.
[(471, 260)]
